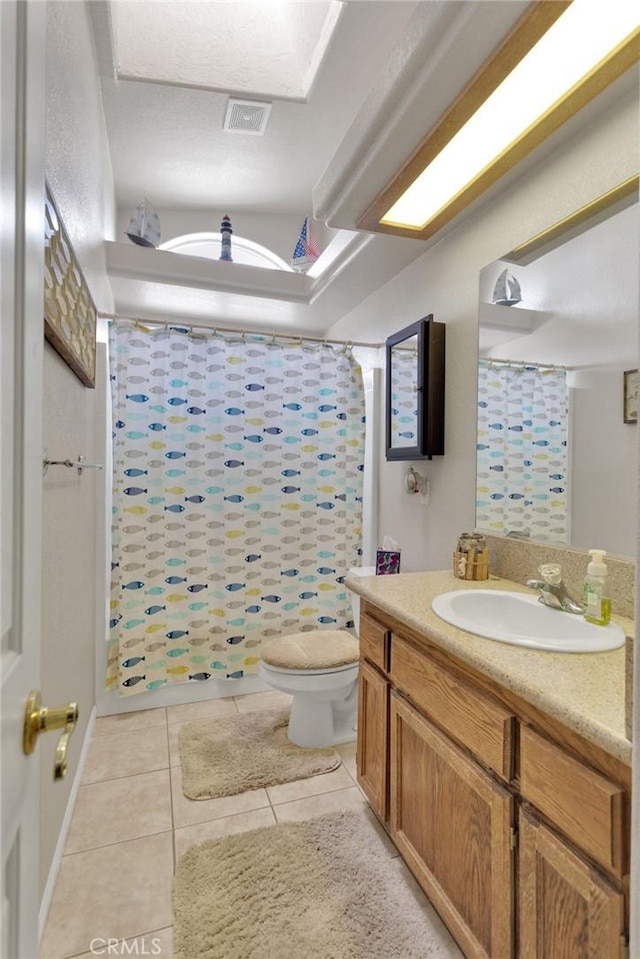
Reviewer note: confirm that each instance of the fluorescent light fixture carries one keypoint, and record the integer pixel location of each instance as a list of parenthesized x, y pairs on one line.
[(587, 47)]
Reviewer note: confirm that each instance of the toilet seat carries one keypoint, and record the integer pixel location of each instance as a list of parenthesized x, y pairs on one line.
[(317, 650), (287, 671)]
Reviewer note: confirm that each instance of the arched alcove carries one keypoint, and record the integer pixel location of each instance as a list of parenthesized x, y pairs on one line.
[(243, 250)]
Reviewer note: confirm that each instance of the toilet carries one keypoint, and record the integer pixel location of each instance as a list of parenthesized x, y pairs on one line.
[(319, 668)]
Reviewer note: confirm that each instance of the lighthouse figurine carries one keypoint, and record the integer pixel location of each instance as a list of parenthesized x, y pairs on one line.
[(225, 233)]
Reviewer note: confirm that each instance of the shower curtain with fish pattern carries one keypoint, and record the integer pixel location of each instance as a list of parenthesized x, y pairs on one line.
[(237, 499), (522, 478)]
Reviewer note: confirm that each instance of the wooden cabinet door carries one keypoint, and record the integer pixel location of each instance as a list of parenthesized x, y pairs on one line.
[(372, 748), (452, 822), (568, 910)]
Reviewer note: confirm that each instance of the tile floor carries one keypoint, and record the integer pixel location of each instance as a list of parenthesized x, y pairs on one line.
[(132, 822)]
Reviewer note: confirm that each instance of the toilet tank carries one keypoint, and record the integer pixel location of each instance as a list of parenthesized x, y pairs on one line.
[(355, 599)]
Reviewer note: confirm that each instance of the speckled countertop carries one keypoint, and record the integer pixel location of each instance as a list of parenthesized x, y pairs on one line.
[(585, 691)]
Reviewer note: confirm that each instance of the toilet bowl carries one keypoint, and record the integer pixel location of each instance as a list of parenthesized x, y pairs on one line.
[(319, 668)]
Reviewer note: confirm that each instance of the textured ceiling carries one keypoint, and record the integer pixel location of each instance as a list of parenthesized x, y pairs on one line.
[(361, 82), (273, 49), (167, 140)]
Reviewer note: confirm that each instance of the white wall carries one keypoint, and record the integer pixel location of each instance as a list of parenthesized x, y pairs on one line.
[(444, 281), (79, 173), (604, 464)]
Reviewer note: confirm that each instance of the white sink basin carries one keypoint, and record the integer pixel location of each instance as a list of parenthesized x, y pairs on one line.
[(519, 619)]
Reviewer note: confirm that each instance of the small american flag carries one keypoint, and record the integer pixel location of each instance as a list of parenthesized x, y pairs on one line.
[(307, 250)]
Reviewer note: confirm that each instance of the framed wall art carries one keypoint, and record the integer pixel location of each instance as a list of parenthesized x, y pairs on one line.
[(70, 314), (630, 396)]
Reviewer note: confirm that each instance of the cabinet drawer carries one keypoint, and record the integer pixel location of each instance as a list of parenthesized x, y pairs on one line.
[(374, 642), (585, 806), (478, 723)]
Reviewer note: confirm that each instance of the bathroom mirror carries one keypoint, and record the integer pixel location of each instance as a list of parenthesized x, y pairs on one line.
[(415, 391), (556, 456)]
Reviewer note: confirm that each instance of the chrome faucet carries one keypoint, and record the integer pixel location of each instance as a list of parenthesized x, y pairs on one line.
[(552, 589)]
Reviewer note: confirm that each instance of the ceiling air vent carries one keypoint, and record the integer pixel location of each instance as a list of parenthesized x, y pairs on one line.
[(246, 116)]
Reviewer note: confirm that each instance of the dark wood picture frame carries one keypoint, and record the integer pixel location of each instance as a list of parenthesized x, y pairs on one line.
[(630, 396), (70, 315)]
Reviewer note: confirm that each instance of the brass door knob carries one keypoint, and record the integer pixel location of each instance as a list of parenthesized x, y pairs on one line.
[(40, 719)]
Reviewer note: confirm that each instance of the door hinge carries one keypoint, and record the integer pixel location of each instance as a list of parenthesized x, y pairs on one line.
[(513, 837)]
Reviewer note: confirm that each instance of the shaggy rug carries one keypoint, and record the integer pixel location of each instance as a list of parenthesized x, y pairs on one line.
[(222, 757), (322, 889)]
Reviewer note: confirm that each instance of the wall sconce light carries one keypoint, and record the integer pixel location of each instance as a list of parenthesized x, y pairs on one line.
[(557, 59)]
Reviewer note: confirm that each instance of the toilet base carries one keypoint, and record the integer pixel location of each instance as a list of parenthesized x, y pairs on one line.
[(325, 703), (316, 724)]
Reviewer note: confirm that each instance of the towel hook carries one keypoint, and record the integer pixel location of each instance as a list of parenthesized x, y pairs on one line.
[(79, 463)]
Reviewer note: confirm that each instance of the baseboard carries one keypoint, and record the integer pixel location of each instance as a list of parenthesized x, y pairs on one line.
[(56, 862), (178, 694)]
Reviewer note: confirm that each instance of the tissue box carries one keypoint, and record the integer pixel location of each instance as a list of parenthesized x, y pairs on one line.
[(387, 561)]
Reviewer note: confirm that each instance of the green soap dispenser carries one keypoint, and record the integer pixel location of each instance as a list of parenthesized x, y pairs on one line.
[(597, 606)]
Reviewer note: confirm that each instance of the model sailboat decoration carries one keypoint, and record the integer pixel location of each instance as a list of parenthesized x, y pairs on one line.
[(507, 290), (144, 226)]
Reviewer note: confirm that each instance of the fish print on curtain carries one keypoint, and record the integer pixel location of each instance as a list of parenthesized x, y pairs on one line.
[(237, 499), (522, 482), (404, 398)]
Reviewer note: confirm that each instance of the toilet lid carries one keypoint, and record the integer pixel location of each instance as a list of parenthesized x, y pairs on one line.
[(315, 649)]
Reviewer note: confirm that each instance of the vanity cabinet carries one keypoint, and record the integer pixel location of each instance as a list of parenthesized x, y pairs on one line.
[(567, 908), (452, 823), (372, 746), (517, 838)]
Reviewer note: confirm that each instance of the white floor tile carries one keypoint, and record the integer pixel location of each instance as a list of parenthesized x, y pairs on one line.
[(117, 755), (217, 828), (120, 809), (115, 892), (347, 753), (300, 809), (190, 712), (125, 722), (312, 786), (247, 704), (158, 943)]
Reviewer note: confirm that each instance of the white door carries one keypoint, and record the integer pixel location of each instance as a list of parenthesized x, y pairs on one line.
[(22, 51)]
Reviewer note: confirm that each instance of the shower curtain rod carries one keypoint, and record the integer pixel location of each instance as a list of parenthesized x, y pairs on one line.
[(240, 332), (522, 364)]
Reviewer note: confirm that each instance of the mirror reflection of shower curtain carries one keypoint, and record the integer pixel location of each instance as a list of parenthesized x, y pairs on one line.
[(522, 456), (237, 499)]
